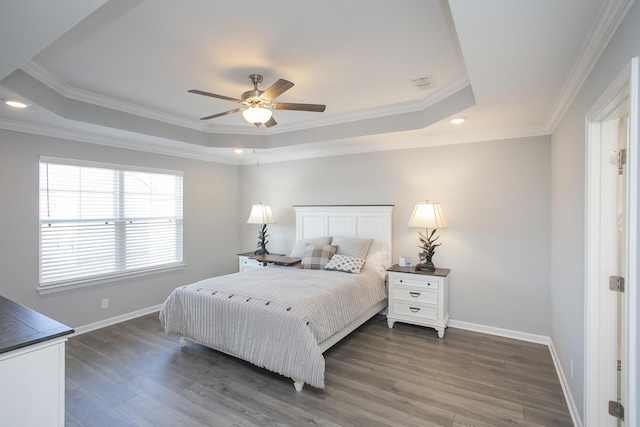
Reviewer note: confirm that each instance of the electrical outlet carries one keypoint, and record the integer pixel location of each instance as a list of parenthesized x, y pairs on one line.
[(571, 368), (105, 303)]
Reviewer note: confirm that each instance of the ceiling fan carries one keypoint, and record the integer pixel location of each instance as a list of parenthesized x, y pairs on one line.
[(257, 105)]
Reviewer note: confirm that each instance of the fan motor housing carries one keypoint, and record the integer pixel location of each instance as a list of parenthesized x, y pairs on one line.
[(252, 95)]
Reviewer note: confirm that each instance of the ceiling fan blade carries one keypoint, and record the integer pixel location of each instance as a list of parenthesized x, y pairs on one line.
[(237, 110), (299, 107), (213, 95), (271, 122), (277, 89)]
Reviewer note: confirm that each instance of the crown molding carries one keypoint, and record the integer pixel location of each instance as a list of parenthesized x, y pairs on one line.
[(166, 147), (283, 154), (612, 15)]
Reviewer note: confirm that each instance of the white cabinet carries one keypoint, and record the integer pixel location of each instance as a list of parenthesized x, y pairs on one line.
[(32, 392), (419, 297)]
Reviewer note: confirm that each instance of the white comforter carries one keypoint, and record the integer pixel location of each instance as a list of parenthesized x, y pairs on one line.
[(273, 317)]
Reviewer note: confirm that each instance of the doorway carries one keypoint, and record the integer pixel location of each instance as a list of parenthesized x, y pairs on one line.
[(611, 252)]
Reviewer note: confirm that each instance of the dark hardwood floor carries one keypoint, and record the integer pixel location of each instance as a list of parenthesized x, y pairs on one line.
[(132, 374)]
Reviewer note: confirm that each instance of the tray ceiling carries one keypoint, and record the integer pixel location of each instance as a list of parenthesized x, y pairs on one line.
[(117, 72)]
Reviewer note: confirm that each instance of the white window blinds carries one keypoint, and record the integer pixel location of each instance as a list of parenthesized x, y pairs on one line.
[(99, 221)]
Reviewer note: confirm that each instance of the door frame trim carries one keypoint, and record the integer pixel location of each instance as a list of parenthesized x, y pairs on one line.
[(622, 90)]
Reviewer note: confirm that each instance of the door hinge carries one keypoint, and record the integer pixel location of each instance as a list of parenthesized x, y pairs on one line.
[(618, 157), (616, 283), (616, 409)]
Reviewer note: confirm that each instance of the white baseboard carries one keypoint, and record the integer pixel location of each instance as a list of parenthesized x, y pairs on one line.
[(573, 410), (507, 333), (113, 320), (538, 339)]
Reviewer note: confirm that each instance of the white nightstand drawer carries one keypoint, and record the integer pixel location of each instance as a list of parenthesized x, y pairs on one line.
[(415, 310), (250, 262), (416, 295), (423, 282), (246, 264)]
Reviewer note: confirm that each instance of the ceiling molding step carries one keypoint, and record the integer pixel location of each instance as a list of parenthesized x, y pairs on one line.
[(45, 77), (286, 154), (172, 148), (156, 130), (612, 15), (29, 27), (185, 150)]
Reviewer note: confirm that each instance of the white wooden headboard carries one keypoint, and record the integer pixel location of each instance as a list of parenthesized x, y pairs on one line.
[(365, 221)]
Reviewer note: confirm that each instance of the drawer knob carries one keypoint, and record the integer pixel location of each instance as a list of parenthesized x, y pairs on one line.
[(401, 281), (414, 309), (414, 294)]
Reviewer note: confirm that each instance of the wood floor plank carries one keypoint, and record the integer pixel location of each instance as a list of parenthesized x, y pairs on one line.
[(90, 410), (102, 386), (143, 413), (397, 408), (132, 373), (174, 403)]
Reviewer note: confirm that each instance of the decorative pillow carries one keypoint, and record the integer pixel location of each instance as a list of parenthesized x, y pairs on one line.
[(345, 263), (317, 256), (299, 247), (352, 246)]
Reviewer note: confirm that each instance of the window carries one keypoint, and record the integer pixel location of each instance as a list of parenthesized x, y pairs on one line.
[(100, 221)]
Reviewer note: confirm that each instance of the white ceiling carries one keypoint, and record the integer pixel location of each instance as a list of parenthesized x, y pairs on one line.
[(117, 72)]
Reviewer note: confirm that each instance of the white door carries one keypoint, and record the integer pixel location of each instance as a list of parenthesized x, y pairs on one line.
[(611, 240)]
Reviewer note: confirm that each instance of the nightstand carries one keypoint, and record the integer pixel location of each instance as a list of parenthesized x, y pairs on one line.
[(419, 297)]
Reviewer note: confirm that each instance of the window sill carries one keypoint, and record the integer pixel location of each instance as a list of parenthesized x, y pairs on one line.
[(83, 283)]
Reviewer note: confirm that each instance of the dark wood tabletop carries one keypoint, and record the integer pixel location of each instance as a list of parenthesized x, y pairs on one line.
[(442, 272), (21, 327), (276, 259)]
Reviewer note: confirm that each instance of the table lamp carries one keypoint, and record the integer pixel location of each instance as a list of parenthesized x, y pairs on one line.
[(261, 214), (427, 215)]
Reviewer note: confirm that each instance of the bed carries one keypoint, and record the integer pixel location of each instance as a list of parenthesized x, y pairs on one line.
[(283, 318)]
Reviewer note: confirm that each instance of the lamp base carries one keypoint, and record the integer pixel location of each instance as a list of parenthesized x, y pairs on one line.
[(261, 251), (262, 241), (425, 266)]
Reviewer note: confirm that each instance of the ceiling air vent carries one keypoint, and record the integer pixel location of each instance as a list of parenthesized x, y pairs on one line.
[(422, 83)]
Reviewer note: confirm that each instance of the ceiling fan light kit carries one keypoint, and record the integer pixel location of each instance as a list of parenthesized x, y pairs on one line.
[(257, 115), (258, 105)]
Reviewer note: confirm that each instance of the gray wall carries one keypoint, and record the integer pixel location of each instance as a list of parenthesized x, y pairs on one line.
[(495, 197), (210, 229), (568, 204)]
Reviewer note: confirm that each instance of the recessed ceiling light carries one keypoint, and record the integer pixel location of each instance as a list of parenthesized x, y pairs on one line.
[(458, 120), (15, 103), (237, 150)]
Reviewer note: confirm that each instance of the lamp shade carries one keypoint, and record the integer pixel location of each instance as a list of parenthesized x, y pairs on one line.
[(257, 115), (261, 214), (427, 215)]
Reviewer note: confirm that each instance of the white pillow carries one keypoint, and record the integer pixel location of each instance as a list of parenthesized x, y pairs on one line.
[(345, 263), (299, 247), (379, 261), (352, 246)]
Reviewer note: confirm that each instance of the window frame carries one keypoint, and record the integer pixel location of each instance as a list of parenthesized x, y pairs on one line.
[(79, 282)]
